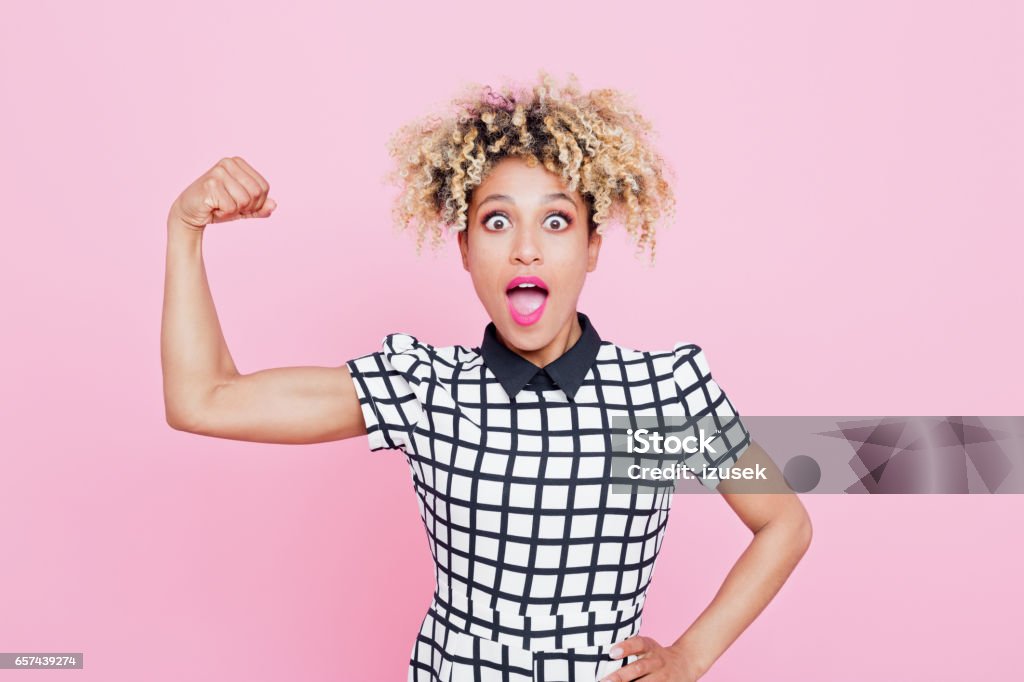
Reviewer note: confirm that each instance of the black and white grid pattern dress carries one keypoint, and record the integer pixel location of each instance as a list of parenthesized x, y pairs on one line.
[(540, 568)]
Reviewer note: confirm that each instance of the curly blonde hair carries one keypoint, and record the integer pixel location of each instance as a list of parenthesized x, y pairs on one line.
[(597, 142)]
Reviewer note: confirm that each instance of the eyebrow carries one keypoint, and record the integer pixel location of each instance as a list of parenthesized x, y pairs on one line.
[(545, 198)]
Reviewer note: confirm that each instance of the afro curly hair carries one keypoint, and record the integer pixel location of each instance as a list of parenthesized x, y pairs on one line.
[(597, 142)]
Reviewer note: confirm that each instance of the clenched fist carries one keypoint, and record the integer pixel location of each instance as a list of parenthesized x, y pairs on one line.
[(230, 190)]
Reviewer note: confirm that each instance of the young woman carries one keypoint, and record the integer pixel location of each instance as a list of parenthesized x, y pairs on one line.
[(541, 569)]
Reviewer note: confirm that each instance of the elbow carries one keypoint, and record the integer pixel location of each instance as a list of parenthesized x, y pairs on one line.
[(176, 405), (793, 530), (186, 409), (177, 418), (803, 533), (196, 412), (180, 414)]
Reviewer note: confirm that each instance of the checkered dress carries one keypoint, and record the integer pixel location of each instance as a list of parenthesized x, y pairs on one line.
[(540, 568)]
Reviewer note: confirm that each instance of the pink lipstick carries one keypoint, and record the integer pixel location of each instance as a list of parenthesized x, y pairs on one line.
[(527, 297)]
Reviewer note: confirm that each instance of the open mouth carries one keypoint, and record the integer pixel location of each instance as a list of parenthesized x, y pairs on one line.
[(526, 299)]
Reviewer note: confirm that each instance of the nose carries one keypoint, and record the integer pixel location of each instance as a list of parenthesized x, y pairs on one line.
[(526, 248)]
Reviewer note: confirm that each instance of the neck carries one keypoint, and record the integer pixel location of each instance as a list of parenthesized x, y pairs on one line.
[(563, 341)]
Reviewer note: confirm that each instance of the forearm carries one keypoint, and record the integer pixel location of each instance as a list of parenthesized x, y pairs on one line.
[(753, 582), (194, 355)]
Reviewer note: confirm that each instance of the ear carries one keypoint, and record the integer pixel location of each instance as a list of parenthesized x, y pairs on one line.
[(464, 248), (593, 249)]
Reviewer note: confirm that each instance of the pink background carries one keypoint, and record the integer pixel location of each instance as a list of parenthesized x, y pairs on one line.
[(849, 182)]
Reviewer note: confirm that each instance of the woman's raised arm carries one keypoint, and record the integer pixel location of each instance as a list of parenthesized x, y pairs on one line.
[(203, 391)]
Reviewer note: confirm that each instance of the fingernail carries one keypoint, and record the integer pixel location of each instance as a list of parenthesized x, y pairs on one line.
[(615, 652)]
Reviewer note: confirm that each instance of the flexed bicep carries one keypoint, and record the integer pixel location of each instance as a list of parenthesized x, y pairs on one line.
[(280, 405)]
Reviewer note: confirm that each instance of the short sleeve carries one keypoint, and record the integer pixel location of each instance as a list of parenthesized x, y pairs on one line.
[(390, 405), (706, 402)]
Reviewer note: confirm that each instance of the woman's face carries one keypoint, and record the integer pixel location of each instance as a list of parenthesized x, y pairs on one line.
[(528, 251)]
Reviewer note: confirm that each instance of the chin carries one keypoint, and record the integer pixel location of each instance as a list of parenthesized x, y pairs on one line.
[(530, 337)]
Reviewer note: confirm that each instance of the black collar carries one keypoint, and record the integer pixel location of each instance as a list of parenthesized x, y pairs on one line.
[(515, 372)]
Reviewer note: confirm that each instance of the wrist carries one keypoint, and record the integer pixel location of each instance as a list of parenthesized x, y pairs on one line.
[(696, 664), (177, 225), (175, 218), (183, 239)]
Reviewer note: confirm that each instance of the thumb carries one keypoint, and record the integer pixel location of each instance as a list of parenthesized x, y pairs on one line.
[(268, 207)]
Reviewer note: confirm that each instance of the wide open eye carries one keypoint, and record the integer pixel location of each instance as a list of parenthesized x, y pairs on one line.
[(497, 222), (558, 222)]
